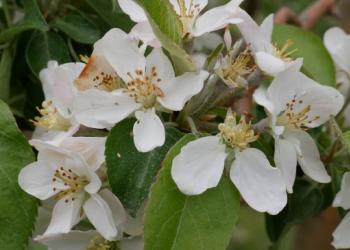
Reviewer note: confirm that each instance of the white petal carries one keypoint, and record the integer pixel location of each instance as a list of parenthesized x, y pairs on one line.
[(161, 63), (91, 148), (286, 160), (143, 31), (260, 184), (118, 211), (99, 109), (308, 155), (217, 18), (200, 3), (266, 26), (261, 99), (74, 240), (341, 237), (134, 10), (208, 41), (199, 165), (342, 199), (122, 53), (337, 43), (65, 215), (179, 90), (100, 215), (148, 130), (270, 64), (57, 81), (36, 179), (253, 34)]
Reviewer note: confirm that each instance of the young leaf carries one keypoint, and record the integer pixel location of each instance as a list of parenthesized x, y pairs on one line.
[(176, 221), (311, 48), (78, 27), (45, 46), (130, 172), (33, 20), (168, 29), (5, 73), (17, 209), (110, 15)]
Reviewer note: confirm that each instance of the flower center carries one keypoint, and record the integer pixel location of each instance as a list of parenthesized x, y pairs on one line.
[(187, 16), (237, 135), (296, 115), (144, 88), (233, 70), (50, 118), (99, 243), (72, 182), (284, 53)]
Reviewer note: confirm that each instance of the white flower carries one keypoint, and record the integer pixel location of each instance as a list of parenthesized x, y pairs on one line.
[(341, 234), (193, 23), (295, 103), (56, 121), (269, 58), (200, 165), (337, 43), (68, 173), (149, 84)]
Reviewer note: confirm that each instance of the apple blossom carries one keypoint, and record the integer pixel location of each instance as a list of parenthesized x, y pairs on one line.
[(295, 103), (189, 11), (269, 58), (149, 84), (56, 121), (200, 165), (68, 173), (341, 234)]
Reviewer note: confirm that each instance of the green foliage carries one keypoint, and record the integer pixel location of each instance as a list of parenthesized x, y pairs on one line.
[(45, 46), (5, 73), (130, 172), (78, 26), (17, 209), (33, 20), (318, 63), (175, 221)]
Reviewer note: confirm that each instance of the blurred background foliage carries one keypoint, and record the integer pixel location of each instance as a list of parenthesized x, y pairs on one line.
[(32, 32)]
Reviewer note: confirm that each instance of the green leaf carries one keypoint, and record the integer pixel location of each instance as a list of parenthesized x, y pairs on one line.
[(168, 29), (110, 14), (130, 172), (45, 46), (175, 221), (17, 209), (318, 64), (78, 26), (33, 20), (305, 202), (5, 73), (213, 57)]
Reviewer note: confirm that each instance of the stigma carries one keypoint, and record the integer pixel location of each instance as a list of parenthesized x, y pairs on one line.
[(50, 118), (237, 134)]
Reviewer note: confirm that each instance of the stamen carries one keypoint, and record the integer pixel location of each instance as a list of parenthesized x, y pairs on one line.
[(237, 135), (50, 118), (283, 53)]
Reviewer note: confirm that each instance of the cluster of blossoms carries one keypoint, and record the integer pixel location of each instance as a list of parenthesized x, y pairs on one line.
[(122, 79)]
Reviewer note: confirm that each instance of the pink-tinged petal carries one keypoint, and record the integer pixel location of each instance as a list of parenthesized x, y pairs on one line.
[(199, 166), (260, 184), (148, 130)]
